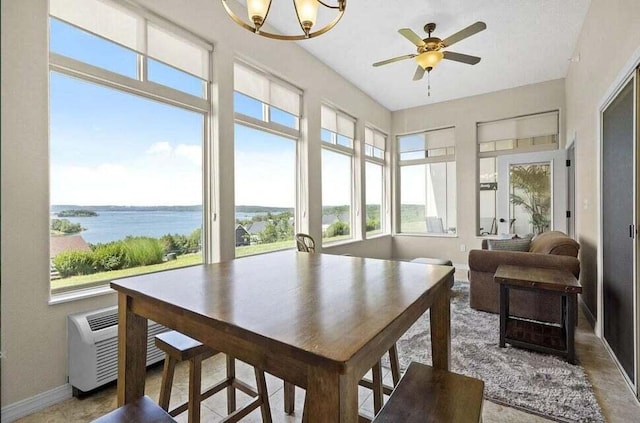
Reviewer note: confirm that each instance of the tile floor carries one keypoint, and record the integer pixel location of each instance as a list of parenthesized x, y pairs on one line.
[(617, 401)]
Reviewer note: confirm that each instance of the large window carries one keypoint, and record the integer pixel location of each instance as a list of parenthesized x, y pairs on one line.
[(127, 127), (267, 113), (374, 148), (525, 134), (428, 182), (337, 134)]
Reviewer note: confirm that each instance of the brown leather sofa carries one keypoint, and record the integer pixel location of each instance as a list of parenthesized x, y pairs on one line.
[(553, 250)]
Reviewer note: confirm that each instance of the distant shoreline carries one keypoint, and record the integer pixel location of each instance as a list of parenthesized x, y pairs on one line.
[(56, 208)]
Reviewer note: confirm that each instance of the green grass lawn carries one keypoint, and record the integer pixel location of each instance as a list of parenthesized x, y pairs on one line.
[(248, 250), (181, 261)]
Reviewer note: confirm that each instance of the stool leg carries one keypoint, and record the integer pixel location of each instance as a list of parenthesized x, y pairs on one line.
[(378, 396), (167, 382), (195, 382), (261, 385), (395, 364), (289, 397), (231, 391)]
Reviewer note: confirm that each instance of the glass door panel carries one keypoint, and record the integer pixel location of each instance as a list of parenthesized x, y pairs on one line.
[(529, 198)]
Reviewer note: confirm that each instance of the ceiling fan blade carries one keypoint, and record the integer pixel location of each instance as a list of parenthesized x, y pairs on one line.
[(463, 58), (395, 59), (467, 32), (411, 36), (419, 74)]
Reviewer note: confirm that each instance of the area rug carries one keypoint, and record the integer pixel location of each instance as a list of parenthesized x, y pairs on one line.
[(537, 383)]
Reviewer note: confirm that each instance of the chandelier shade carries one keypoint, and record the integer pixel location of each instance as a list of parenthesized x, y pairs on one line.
[(306, 12)]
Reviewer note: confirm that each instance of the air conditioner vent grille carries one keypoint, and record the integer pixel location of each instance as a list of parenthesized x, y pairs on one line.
[(97, 322)]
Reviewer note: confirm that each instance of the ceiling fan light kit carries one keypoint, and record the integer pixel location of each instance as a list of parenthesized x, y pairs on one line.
[(429, 50), (306, 12), (429, 59)]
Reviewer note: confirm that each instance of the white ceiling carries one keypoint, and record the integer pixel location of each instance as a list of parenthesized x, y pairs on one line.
[(526, 42)]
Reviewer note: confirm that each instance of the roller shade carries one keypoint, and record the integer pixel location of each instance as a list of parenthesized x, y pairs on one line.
[(258, 85), (130, 29), (524, 127), (431, 140), (177, 52), (338, 122), (374, 138), (107, 20)]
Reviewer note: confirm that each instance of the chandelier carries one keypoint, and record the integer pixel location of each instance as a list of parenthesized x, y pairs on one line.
[(306, 12)]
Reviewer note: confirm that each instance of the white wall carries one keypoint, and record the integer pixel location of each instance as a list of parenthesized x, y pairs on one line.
[(463, 114), (609, 39), (33, 332)]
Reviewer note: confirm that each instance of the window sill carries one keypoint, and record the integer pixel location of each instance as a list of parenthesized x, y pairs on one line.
[(376, 236), (427, 235), (340, 242), (80, 294)]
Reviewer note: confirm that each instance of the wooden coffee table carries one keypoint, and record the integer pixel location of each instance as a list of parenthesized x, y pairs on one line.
[(540, 336)]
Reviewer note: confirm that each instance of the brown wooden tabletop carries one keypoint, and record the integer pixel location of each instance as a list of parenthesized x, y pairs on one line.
[(317, 320), (536, 277)]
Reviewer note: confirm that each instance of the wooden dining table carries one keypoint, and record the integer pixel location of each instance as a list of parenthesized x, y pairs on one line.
[(319, 321)]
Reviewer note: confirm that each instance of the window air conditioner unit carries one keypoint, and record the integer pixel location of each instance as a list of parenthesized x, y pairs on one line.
[(93, 348)]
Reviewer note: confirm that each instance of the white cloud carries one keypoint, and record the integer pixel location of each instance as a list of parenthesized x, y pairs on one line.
[(162, 148), (163, 176), (191, 152)]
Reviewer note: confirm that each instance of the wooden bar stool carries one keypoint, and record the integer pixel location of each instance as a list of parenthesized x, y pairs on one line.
[(179, 347), (425, 394), (143, 410)]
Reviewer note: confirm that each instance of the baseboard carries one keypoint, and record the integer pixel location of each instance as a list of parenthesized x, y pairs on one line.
[(587, 313), (34, 404)]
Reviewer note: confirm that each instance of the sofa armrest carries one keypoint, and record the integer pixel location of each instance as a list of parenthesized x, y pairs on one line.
[(487, 261)]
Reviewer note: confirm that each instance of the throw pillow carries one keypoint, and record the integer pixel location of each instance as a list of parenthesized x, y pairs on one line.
[(521, 244)]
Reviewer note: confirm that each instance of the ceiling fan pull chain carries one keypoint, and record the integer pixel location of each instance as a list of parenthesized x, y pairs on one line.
[(428, 83)]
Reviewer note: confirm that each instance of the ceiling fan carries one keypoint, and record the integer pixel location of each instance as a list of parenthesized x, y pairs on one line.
[(430, 51)]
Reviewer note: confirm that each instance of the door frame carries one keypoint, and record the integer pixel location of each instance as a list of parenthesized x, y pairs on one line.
[(556, 159), (629, 71), (571, 188)]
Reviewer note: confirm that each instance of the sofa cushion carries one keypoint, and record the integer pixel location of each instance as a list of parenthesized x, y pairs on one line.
[(516, 244), (554, 242)]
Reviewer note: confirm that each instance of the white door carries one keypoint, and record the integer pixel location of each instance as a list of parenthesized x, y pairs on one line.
[(530, 209)]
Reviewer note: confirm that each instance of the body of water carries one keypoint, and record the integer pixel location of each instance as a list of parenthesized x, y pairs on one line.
[(112, 225)]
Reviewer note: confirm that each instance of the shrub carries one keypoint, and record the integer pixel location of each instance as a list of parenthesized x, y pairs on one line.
[(111, 256), (373, 224), (142, 251), (71, 263), (337, 229)]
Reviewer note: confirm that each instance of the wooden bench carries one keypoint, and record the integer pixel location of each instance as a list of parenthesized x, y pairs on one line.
[(425, 394), (144, 410)]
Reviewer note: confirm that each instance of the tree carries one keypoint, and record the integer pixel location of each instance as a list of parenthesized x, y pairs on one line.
[(65, 226), (532, 191)]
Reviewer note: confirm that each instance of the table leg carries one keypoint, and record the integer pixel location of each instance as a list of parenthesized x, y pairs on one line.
[(132, 352), (504, 312), (331, 397), (440, 313), (571, 326)]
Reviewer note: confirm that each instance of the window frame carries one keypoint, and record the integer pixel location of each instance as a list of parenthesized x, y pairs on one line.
[(142, 87), (275, 128), (350, 152), (449, 157), (515, 149), (381, 161)]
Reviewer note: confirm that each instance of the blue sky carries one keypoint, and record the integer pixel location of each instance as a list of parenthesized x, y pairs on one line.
[(108, 147)]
